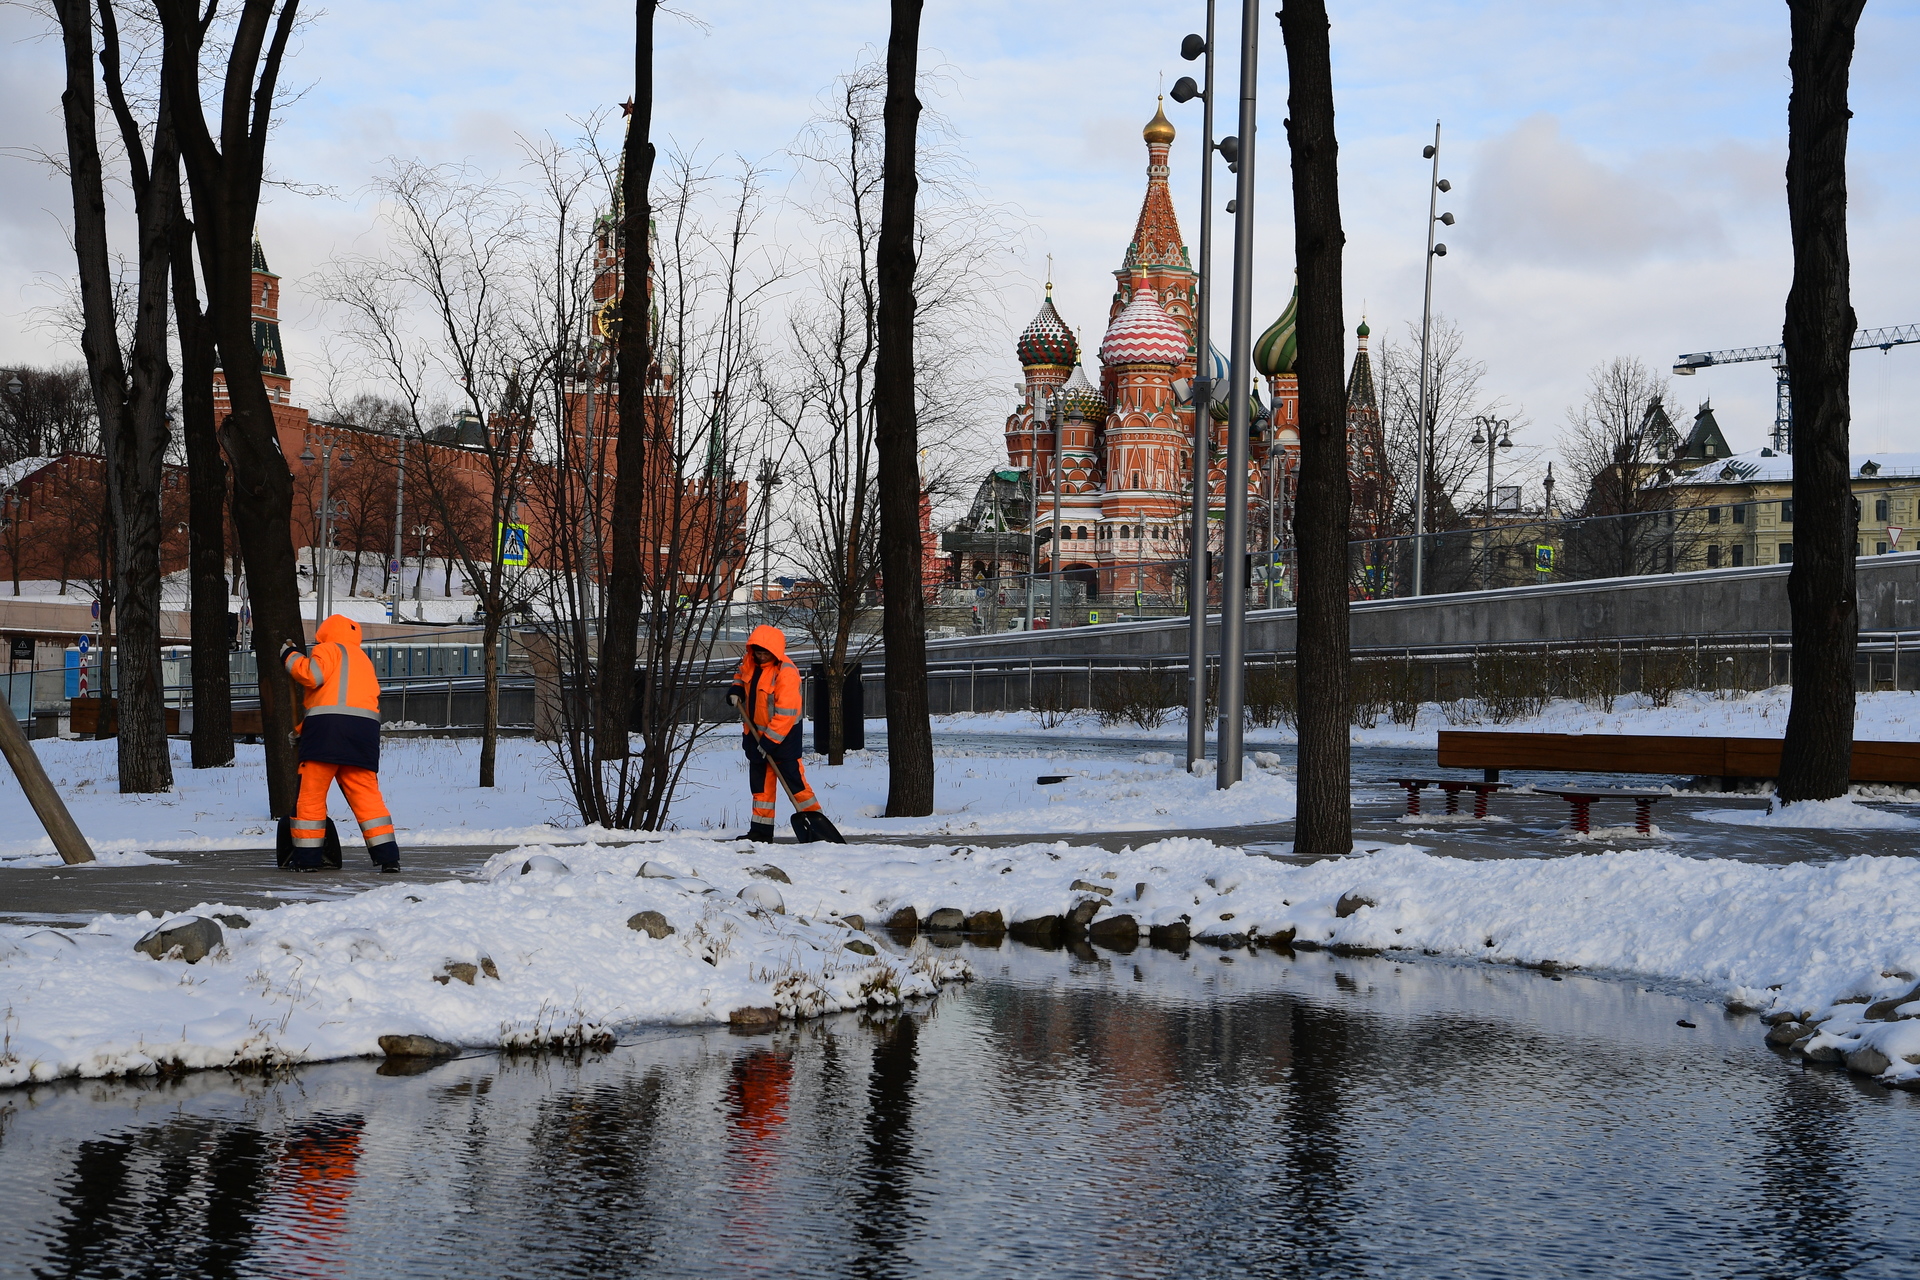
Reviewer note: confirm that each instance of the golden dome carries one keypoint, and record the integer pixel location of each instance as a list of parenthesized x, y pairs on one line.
[(1159, 129)]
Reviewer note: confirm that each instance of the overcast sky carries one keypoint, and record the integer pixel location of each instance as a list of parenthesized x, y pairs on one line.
[(1617, 165)]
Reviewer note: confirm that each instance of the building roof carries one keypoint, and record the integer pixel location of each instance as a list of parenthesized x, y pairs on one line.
[(1276, 349), (1046, 340), (1143, 333), (1705, 441), (1083, 399), (1764, 466)]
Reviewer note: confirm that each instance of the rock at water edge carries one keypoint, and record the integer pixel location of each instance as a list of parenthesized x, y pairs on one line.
[(945, 920), (417, 1047), (754, 1017)]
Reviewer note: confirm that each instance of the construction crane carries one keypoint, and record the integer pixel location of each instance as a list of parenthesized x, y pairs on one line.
[(1884, 339)]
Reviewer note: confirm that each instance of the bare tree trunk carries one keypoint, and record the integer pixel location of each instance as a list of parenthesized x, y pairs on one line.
[(206, 512), (132, 404), (1324, 827), (225, 180), (897, 438), (1816, 758), (626, 585), (490, 727)]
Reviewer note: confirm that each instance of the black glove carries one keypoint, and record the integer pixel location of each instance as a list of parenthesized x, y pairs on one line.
[(287, 647), (737, 696)]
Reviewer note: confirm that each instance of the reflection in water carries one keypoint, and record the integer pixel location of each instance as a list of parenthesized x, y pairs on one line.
[(1143, 1114)]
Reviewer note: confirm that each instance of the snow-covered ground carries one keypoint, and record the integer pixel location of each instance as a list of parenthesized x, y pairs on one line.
[(430, 789), (1880, 717), (548, 956), (312, 981)]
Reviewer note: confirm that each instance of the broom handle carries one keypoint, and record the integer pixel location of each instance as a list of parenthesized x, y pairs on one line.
[(771, 763)]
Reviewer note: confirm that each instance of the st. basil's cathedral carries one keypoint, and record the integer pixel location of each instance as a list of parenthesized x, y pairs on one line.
[(1125, 445)]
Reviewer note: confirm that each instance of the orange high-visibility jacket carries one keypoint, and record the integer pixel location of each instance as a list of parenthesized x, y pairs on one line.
[(771, 689), (342, 725)]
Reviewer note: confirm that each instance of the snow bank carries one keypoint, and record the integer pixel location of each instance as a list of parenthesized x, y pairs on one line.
[(309, 982), (1844, 814), (1802, 935)]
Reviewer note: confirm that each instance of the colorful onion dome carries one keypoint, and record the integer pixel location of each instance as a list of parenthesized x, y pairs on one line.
[(1143, 333), (1159, 129), (1363, 330), (1083, 399), (1047, 340), (1274, 353)]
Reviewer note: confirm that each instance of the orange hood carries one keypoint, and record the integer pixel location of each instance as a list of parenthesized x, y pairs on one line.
[(772, 639), (339, 629)]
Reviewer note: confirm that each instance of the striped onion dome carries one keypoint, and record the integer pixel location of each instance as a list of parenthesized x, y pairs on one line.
[(1083, 399), (1047, 340), (1143, 333), (1274, 353)]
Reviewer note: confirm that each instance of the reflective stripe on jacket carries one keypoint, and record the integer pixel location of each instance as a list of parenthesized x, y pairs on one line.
[(771, 690), (342, 724)]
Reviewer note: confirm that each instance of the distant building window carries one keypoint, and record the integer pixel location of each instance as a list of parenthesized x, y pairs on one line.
[(1739, 556), (1786, 512), (1739, 513), (1713, 557), (1856, 508), (1880, 506), (1083, 531), (1879, 548), (1786, 553), (1713, 515)]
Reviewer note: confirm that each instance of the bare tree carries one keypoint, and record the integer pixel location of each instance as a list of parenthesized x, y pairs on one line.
[(224, 176), (130, 387), (909, 728), (1325, 827), (1618, 445), (1816, 758), (634, 369), (51, 414), (437, 314)]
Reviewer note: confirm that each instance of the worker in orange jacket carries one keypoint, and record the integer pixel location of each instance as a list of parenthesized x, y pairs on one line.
[(339, 741), (767, 689)]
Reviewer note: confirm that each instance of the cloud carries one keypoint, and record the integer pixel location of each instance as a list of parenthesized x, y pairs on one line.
[(1540, 197)]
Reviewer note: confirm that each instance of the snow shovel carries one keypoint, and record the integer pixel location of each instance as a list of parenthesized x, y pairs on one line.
[(329, 851), (811, 827)]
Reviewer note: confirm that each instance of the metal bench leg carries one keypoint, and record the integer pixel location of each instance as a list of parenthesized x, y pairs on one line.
[(1643, 817), (1413, 799), (1453, 799), (1580, 822), (1479, 804)]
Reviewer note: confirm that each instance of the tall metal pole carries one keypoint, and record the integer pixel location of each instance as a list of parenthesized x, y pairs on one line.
[(1036, 398), (323, 560), (1055, 574), (1233, 550), (399, 531), (1424, 422), (1273, 499), (1202, 432)]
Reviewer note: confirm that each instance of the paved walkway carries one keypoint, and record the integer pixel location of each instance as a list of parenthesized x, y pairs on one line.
[(1533, 827)]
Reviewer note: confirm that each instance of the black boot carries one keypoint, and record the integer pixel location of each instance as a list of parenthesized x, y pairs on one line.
[(760, 833), (385, 855)]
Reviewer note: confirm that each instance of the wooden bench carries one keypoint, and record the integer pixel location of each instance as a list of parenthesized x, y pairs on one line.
[(1583, 798), (1453, 787), (1896, 763)]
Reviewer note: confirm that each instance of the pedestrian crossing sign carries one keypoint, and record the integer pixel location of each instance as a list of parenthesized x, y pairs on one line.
[(513, 545), (1543, 558)]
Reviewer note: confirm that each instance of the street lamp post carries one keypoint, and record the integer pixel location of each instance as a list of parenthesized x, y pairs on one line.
[(422, 532), (1055, 575), (1491, 432), (324, 517), (1184, 90), (1424, 423), (1233, 579)]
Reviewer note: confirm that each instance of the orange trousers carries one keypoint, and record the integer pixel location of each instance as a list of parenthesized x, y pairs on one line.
[(766, 786), (362, 790)]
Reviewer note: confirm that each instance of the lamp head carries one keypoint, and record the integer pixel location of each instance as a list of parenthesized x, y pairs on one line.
[(1184, 90), (1426, 153), (1444, 185), (1191, 48)]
